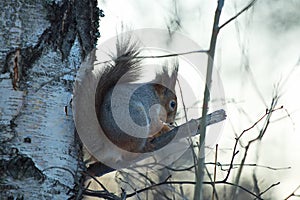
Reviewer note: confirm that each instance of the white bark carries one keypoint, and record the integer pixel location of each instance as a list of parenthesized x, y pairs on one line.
[(39, 41)]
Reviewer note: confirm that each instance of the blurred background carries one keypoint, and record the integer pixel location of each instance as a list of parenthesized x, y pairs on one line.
[(257, 58)]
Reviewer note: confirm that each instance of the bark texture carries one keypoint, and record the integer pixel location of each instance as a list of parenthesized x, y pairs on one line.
[(41, 46)]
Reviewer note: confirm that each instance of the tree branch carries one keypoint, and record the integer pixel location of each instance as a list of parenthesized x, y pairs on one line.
[(124, 58), (293, 193), (183, 131), (238, 14), (186, 130), (199, 171), (235, 151), (268, 115), (270, 187), (192, 183)]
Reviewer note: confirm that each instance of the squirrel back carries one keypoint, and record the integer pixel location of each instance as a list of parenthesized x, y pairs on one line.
[(130, 113)]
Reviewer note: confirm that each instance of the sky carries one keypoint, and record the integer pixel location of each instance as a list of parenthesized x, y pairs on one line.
[(255, 53)]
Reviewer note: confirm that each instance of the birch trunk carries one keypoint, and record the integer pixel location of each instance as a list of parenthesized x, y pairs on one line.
[(41, 46)]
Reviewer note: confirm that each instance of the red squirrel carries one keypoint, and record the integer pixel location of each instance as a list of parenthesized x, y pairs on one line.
[(132, 113)]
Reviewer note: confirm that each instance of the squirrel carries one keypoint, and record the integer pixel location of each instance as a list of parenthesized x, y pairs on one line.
[(129, 113)]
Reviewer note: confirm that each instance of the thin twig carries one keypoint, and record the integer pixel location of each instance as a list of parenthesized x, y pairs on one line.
[(192, 183), (225, 165), (235, 151), (182, 101), (246, 164), (53, 78), (271, 186), (268, 115), (97, 181), (293, 193), (101, 194), (211, 180), (215, 175), (124, 58), (238, 14)]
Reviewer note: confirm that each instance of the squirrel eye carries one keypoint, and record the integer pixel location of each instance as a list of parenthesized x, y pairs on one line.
[(172, 105)]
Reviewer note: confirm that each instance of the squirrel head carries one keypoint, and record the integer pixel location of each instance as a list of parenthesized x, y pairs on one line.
[(168, 101), (165, 89)]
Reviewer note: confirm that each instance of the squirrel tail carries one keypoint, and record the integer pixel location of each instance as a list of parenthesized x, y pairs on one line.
[(124, 66)]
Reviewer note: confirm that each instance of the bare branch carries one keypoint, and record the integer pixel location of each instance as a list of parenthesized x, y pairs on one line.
[(293, 193), (121, 58), (235, 151), (256, 187), (182, 101), (97, 181), (222, 165), (247, 164), (213, 185), (198, 191), (268, 115), (186, 130), (270, 187), (101, 194), (192, 183), (238, 14), (215, 174), (155, 56)]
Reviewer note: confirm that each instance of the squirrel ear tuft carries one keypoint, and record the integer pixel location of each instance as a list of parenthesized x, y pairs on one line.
[(174, 74)]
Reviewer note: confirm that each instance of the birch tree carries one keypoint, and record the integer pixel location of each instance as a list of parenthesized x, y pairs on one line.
[(42, 45)]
